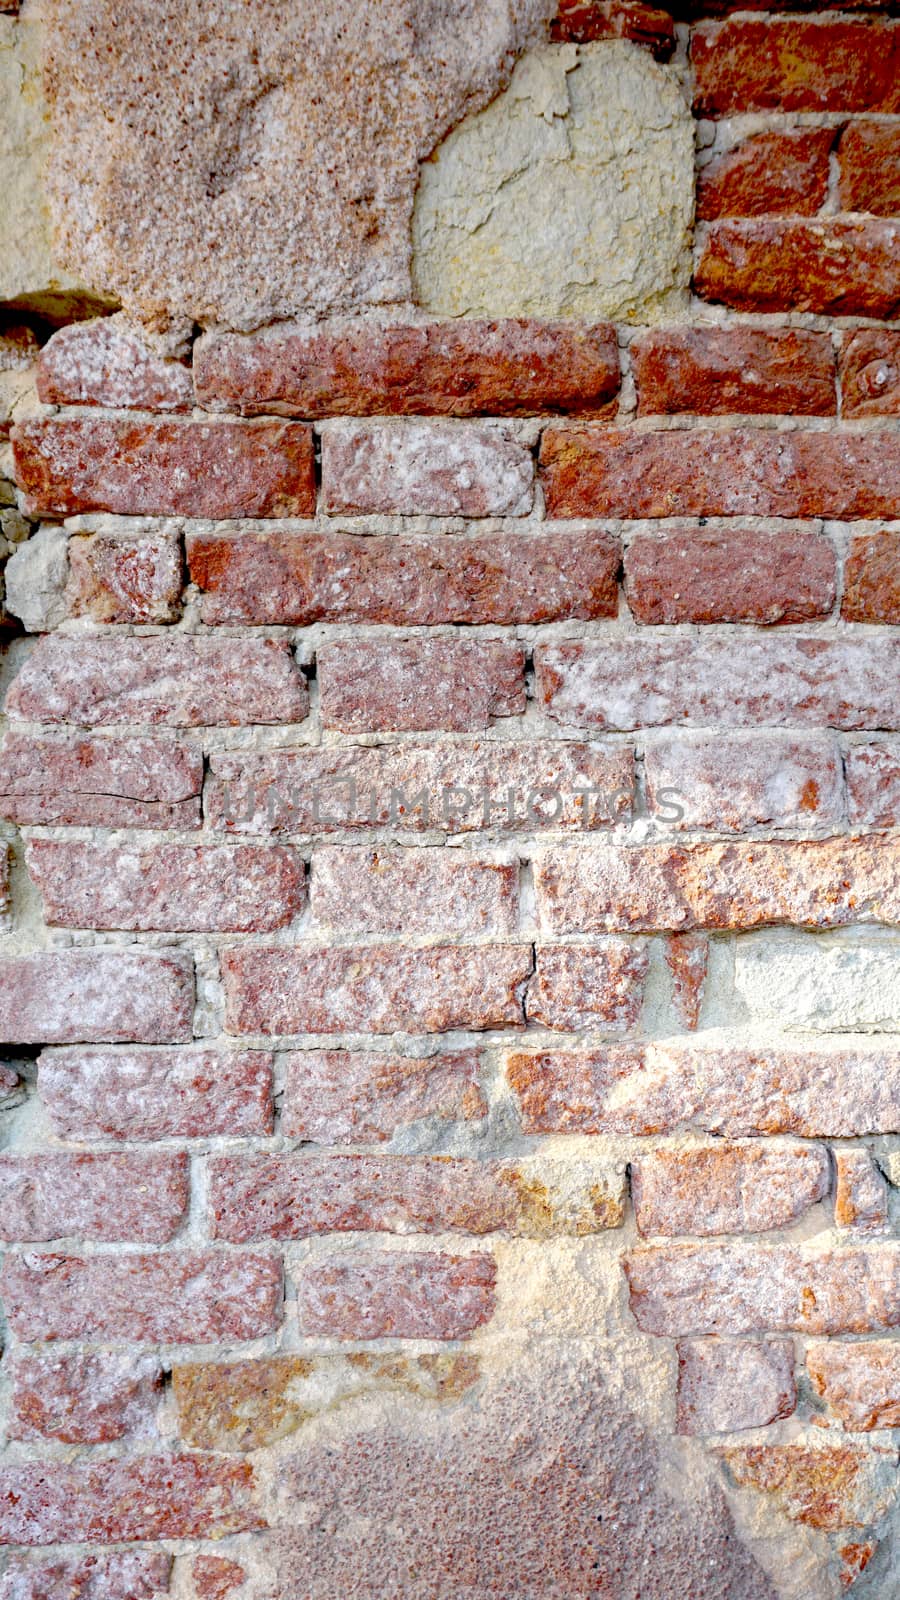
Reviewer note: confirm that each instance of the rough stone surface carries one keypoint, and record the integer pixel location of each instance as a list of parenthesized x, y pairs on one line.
[(571, 195), (715, 370), (832, 265), (176, 1298), (726, 1188), (132, 576), (439, 469), (870, 373), (438, 892), (283, 169), (869, 153), (134, 783), (705, 576), (353, 1097), (767, 175), (819, 984), (416, 684), (859, 1381), (131, 1575), (872, 579), (105, 363), (585, 21), (860, 1196), (598, 986), (796, 64), (744, 781), (399, 1296), (110, 1198), (85, 1399), (215, 1578), (35, 580), (873, 783), (725, 1385), (150, 1497), (687, 958), (824, 1486), (461, 369), (157, 1094), (103, 996)]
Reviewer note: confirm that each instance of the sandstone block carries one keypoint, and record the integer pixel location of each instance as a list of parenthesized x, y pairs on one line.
[(687, 958), (725, 1385), (129, 1575), (820, 984), (873, 783)]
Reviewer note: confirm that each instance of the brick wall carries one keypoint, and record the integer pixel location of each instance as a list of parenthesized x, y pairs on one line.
[(451, 983)]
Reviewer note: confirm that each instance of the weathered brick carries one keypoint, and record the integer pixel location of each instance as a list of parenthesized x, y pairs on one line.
[(869, 156), (820, 883), (110, 1502), (376, 988), (733, 472), (706, 575), (796, 681), (872, 579), (437, 469), (584, 21), (373, 1295), (861, 1382), (725, 1385), (820, 983), (137, 466), (822, 1486), (169, 887), (744, 1287), (178, 682), (720, 1188), (873, 783), (215, 1578), (412, 685), (105, 1197), (687, 958), (84, 1399), (5, 887), (860, 1195), (104, 783), (435, 891), (723, 370), (769, 174), (133, 576), (293, 1197), (821, 1090), (833, 265), (290, 577), (101, 996), (462, 369), (101, 363), (359, 1097), (178, 1298), (870, 373), (157, 1094), (746, 780), (588, 986), (796, 64), (463, 787), (126, 1575)]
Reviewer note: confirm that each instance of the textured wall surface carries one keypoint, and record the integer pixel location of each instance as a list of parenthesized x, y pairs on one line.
[(450, 796)]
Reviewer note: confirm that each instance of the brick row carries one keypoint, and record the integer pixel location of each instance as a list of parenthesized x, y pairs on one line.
[(836, 266), (796, 64)]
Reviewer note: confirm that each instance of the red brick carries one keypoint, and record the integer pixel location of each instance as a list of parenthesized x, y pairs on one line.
[(369, 1295), (870, 374), (744, 780), (725, 1385), (707, 575), (769, 174), (733, 472), (869, 156), (720, 1188), (109, 1502), (85, 1399), (412, 685), (170, 887), (822, 1090), (103, 996), (687, 958), (860, 1195), (125, 577), (289, 577), (821, 883), (177, 1298), (104, 1197), (861, 1382), (822, 1486), (354, 369), (584, 21), (412, 468), (715, 371), (873, 783), (796, 64), (101, 363), (588, 986), (462, 787), (103, 783), (128, 1575), (352, 1097), (645, 682), (178, 681), (215, 1578), (435, 891), (296, 1196), (744, 1287), (140, 467), (375, 988), (156, 1094), (872, 579), (834, 265)]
